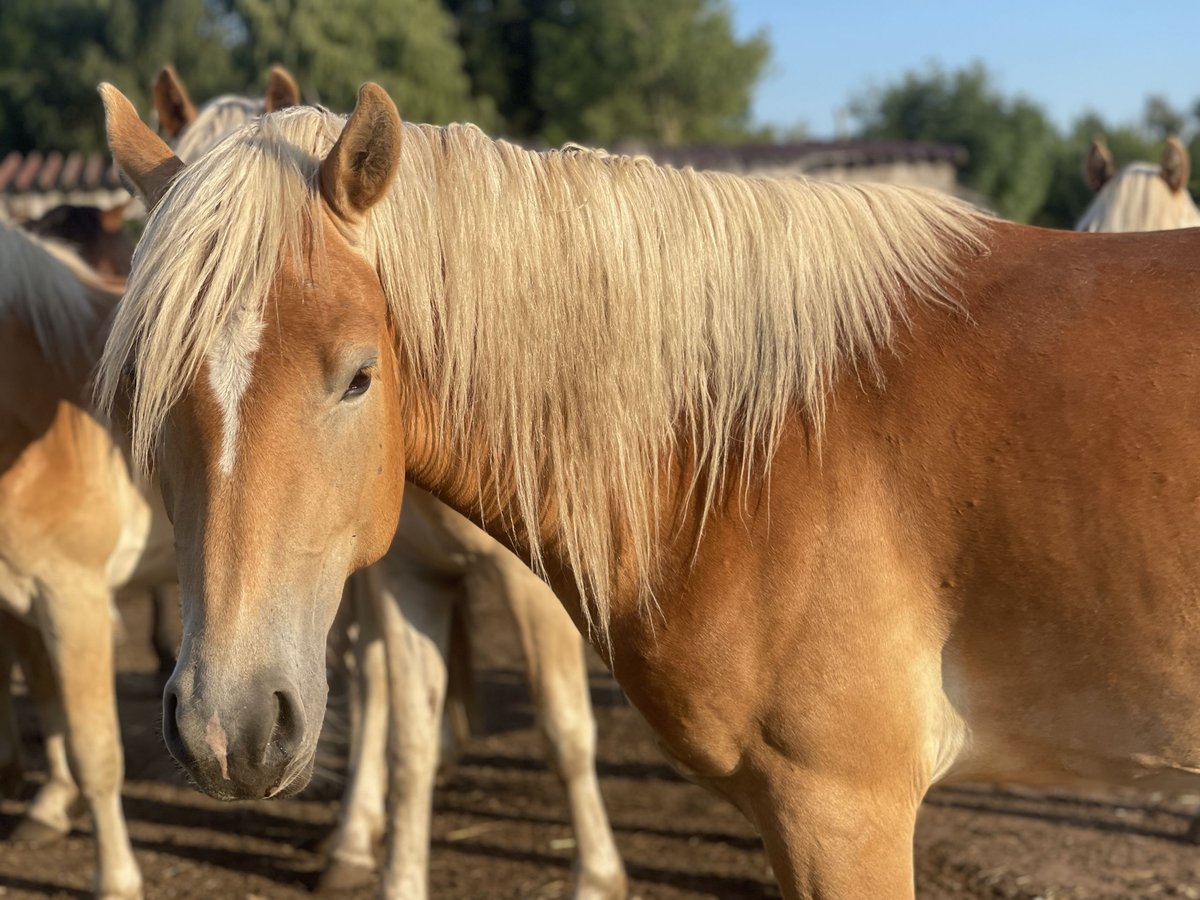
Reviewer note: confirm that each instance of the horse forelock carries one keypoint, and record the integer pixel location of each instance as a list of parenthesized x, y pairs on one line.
[(1138, 199), (573, 308)]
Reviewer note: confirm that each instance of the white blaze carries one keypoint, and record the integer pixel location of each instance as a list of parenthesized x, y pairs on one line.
[(230, 364)]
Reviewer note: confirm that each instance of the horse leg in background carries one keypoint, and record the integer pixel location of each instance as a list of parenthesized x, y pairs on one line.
[(76, 614), (12, 762), (414, 613), (558, 680), (49, 815), (168, 627), (361, 820)]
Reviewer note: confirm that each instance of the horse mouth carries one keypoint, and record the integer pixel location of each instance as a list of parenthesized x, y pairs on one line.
[(293, 782)]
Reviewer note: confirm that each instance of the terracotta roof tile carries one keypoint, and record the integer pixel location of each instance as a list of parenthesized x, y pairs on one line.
[(37, 172)]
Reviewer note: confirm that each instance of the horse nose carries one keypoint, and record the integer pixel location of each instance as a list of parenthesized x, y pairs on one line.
[(243, 748)]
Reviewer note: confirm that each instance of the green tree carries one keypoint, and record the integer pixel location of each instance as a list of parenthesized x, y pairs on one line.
[(1161, 119), (407, 46), (1010, 142), (601, 70), (53, 53)]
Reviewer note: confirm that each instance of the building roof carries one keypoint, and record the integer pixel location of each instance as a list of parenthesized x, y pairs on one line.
[(37, 172), (805, 155)]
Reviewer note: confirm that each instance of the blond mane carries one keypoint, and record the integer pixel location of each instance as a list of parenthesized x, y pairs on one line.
[(584, 315), (216, 119), (45, 285), (1138, 199)]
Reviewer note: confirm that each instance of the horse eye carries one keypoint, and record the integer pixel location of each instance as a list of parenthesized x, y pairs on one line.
[(359, 385)]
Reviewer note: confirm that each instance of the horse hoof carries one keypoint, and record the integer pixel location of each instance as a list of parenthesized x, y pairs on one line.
[(31, 831), (606, 887), (1193, 832), (339, 877)]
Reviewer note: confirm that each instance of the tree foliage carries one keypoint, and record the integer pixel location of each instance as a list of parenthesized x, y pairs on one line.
[(600, 70), (53, 53), (1017, 160), (1010, 143), (589, 70), (407, 46)]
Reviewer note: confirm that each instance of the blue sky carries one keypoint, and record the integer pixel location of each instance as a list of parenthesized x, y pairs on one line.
[(1067, 55)]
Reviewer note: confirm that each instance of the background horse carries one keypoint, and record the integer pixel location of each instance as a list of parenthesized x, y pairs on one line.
[(75, 527), (1142, 196), (829, 576), (97, 235), (439, 563)]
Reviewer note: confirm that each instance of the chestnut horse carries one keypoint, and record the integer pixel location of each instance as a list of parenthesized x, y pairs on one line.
[(857, 490), (406, 614), (73, 526), (1142, 196)]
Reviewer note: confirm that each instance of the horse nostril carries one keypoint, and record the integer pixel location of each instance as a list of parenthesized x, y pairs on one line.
[(289, 726), (171, 721)]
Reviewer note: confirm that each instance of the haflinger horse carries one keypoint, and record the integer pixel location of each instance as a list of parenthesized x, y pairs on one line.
[(1142, 196), (74, 525), (856, 490), (407, 611)]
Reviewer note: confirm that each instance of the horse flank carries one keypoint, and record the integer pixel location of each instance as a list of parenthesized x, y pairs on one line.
[(584, 314), (1138, 199), (44, 284)]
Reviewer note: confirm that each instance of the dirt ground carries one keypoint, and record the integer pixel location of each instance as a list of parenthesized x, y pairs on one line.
[(501, 830)]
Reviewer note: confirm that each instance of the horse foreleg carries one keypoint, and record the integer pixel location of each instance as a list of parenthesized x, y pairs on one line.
[(558, 679), (78, 626), (49, 815), (415, 617), (165, 636), (12, 763), (361, 818)]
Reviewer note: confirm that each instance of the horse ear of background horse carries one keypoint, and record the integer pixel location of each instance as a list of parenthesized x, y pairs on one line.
[(1176, 165), (1098, 166), (282, 90), (172, 103)]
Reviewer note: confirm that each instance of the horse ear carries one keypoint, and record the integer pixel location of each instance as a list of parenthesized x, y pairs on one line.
[(172, 103), (282, 90), (1176, 166), (361, 166), (142, 155), (1098, 167), (112, 219)]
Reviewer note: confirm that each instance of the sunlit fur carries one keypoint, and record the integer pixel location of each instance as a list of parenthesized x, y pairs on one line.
[(1138, 199), (44, 284), (584, 314), (217, 118)]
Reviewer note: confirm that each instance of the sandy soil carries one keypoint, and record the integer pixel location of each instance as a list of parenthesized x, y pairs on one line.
[(501, 828)]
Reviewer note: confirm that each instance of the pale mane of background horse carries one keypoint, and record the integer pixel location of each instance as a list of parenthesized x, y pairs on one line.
[(50, 295), (680, 306), (1142, 196)]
